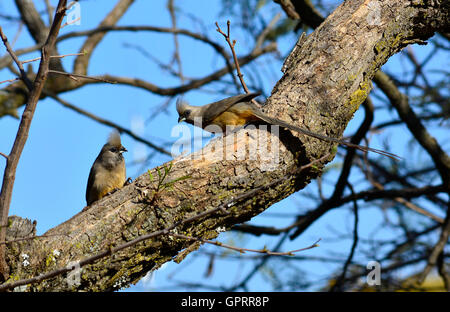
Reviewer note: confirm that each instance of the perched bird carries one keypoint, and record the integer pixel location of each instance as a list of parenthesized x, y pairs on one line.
[(108, 172), (238, 110)]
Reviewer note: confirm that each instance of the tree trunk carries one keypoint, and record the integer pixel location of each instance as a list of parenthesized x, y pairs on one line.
[(326, 78)]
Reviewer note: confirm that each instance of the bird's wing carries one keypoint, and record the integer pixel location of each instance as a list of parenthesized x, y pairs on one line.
[(215, 109), (90, 184)]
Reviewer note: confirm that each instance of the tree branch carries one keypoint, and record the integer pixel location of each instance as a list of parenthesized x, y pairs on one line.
[(400, 103), (81, 63), (23, 74), (32, 19)]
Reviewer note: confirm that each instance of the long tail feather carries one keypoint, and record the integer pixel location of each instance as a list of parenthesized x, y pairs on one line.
[(283, 124)]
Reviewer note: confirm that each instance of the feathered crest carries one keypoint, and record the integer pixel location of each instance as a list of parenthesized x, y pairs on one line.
[(114, 138), (181, 105)]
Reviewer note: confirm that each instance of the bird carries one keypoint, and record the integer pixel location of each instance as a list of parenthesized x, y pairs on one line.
[(238, 110), (108, 173)]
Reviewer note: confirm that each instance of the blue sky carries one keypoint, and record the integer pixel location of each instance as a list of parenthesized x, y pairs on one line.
[(62, 145)]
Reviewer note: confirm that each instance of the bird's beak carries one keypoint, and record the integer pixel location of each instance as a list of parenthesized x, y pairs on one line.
[(181, 119), (123, 150)]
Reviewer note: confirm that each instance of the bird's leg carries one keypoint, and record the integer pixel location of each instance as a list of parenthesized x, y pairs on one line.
[(112, 191)]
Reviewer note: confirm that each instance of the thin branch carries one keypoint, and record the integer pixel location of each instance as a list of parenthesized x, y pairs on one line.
[(71, 22), (390, 176), (437, 249), (257, 267), (338, 285), (403, 201), (236, 62), (306, 220), (289, 8), (176, 54), (420, 133), (262, 36), (10, 80), (74, 76), (49, 7), (53, 56), (260, 230), (442, 269), (23, 74), (243, 250), (105, 29)]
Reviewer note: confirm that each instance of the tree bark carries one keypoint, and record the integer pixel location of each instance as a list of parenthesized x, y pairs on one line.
[(325, 81)]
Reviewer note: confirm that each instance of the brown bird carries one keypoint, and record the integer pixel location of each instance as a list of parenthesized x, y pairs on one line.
[(108, 172), (238, 110)]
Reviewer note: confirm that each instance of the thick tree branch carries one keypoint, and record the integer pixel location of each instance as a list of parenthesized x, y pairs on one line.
[(35, 25)]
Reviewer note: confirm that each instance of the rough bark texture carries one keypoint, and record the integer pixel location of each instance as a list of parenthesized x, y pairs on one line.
[(327, 79)]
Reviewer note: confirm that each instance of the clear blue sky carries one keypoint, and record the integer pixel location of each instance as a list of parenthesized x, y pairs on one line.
[(62, 145)]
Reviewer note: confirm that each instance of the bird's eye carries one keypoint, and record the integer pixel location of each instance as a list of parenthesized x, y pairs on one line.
[(113, 149), (187, 113)]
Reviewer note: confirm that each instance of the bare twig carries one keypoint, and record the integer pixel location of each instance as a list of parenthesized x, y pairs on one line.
[(74, 76), (262, 36), (243, 250), (23, 74), (70, 23), (53, 56), (49, 7), (405, 202), (236, 62), (10, 80), (176, 54), (437, 249), (442, 269), (338, 285)]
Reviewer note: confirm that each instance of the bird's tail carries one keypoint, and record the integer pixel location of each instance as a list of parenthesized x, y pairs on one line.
[(275, 121)]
